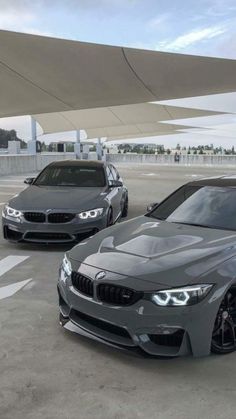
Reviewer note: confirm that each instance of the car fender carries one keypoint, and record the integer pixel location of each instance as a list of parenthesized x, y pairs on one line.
[(223, 278)]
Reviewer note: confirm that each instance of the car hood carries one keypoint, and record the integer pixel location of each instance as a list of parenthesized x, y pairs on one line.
[(50, 197), (157, 251)]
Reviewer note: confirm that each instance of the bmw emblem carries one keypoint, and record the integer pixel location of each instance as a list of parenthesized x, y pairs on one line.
[(100, 275)]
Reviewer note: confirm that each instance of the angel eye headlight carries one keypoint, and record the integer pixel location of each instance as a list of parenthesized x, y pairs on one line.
[(9, 212), (181, 296), (66, 266), (94, 213)]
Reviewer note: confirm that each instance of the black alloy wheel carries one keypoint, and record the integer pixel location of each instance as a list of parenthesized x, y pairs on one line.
[(125, 208), (110, 218), (224, 332)]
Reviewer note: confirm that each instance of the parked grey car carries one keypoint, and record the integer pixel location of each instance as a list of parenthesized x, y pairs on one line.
[(164, 282), (68, 201)]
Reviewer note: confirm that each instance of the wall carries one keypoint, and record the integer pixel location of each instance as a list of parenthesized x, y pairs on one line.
[(17, 164), (43, 160), (169, 159)]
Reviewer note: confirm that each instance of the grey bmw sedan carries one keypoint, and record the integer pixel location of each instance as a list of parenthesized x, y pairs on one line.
[(164, 282), (67, 201)]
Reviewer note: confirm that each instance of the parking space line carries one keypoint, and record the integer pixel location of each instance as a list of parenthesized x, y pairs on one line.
[(12, 180), (12, 186), (10, 290), (2, 203), (10, 262)]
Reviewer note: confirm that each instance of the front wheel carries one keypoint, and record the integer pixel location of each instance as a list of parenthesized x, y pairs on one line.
[(224, 332), (110, 218), (125, 208)]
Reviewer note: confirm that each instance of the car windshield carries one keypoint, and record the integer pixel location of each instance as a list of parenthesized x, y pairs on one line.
[(78, 176), (206, 206)]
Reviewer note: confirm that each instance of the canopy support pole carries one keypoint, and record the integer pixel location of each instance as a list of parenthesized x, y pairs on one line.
[(77, 147), (99, 149), (31, 146)]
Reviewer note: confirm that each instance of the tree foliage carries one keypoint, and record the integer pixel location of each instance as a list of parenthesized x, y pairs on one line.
[(11, 135)]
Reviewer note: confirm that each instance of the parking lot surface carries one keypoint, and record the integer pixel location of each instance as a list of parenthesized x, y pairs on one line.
[(49, 373)]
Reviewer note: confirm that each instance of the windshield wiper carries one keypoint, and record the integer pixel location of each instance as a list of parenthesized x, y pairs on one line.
[(193, 224), (59, 184), (65, 184), (153, 216)]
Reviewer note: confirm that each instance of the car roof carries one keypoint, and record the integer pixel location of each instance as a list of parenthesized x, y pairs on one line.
[(81, 163), (223, 181)]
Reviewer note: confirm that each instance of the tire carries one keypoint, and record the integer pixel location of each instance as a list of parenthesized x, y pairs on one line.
[(224, 332), (110, 218), (125, 208)]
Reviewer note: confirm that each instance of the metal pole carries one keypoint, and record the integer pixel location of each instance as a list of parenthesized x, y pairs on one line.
[(32, 142), (33, 129), (77, 148), (99, 149)]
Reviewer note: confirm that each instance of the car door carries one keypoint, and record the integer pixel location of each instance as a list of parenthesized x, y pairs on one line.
[(116, 193)]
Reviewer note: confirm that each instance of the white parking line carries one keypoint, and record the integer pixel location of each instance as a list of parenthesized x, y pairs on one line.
[(10, 290), (194, 175), (12, 186), (10, 262), (6, 193), (2, 203), (13, 180)]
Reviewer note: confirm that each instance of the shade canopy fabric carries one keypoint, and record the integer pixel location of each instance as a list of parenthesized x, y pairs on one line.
[(135, 131), (225, 102), (40, 74), (222, 131), (97, 118)]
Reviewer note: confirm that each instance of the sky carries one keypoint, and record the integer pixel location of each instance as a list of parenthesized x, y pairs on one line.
[(203, 27)]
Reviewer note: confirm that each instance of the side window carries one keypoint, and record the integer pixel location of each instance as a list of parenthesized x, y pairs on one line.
[(109, 174), (117, 173), (114, 173)]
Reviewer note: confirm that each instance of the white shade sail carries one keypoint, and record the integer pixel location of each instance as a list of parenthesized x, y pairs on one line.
[(134, 131), (40, 74), (101, 118), (225, 102)]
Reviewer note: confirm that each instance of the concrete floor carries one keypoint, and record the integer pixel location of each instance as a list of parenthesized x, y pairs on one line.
[(48, 373)]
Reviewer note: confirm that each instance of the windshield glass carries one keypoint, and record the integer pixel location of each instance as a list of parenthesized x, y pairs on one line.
[(208, 206), (71, 176)]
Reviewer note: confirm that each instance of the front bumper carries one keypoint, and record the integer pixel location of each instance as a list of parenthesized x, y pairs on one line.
[(73, 231), (158, 331)]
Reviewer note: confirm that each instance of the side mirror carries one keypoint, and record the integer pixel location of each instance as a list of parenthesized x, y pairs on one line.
[(151, 206), (115, 183), (29, 180)]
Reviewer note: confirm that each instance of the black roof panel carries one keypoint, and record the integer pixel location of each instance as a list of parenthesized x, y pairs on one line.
[(226, 180), (90, 163)]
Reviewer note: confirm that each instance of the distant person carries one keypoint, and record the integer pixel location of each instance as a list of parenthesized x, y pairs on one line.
[(177, 157)]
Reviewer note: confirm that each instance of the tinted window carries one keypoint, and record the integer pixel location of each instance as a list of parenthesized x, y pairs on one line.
[(114, 173), (208, 206), (173, 201), (72, 176), (109, 174)]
